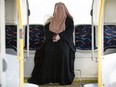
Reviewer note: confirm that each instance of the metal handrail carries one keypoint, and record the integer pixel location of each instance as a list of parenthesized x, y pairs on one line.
[(21, 44), (92, 36), (27, 57), (100, 26)]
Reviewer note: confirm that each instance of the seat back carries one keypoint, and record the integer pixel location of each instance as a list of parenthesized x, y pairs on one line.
[(11, 36), (109, 36), (83, 39), (36, 37)]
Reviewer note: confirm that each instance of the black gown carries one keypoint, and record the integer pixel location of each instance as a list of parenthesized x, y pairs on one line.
[(54, 62)]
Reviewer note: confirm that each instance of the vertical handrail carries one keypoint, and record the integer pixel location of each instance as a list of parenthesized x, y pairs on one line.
[(2, 41), (18, 47), (92, 36), (27, 30), (21, 44), (100, 44)]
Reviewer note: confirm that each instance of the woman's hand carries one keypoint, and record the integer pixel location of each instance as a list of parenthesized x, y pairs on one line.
[(56, 38)]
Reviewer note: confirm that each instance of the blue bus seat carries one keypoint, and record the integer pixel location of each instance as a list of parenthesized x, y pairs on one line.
[(36, 37), (109, 36), (83, 39), (11, 36)]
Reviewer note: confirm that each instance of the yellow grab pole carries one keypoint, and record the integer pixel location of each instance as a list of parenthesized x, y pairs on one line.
[(21, 55), (99, 44)]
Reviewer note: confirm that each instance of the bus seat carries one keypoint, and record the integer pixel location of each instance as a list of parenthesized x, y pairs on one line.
[(11, 36), (109, 37), (83, 37), (36, 37)]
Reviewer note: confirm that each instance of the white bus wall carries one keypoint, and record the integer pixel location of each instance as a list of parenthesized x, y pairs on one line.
[(109, 12), (84, 62), (10, 12)]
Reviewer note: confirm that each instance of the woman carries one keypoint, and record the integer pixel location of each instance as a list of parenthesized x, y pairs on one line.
[(54, 63)]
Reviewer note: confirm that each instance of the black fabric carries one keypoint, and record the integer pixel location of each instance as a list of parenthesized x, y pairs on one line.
[(54, 62)]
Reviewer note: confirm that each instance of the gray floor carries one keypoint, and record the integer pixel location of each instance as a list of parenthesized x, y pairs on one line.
[(56, 85)]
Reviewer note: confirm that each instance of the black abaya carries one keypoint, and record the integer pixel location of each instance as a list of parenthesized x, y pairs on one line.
[(54, 62)]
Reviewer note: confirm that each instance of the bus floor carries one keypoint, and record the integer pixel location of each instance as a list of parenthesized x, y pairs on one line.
[(56, 85)]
